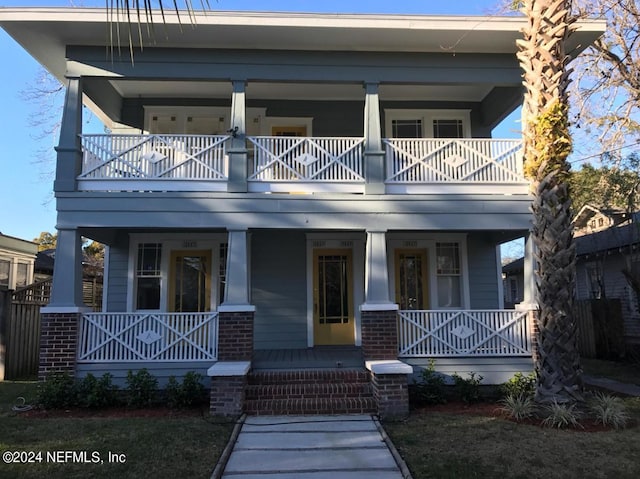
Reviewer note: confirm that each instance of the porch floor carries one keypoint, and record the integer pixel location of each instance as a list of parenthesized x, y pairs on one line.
[(319, 357)]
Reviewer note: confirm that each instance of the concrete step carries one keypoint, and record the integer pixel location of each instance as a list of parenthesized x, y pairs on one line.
[(357, 405)]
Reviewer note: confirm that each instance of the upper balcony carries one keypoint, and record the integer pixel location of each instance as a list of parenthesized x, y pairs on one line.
[(284, 164)]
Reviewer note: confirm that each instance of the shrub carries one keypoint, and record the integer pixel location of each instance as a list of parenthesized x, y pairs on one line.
[(188, 394), (57, 391), (142, 387), (608, 410), (519, 407), (97, 393), (431, 388), (519, 385), (561, 415), (467, 389)]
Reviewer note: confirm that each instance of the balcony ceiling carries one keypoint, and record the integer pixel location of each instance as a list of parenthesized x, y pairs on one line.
[(44, 32), (298, 91)]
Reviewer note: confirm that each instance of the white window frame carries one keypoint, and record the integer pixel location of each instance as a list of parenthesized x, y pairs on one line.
[(427, 117), (14, 260), (428, 242), (169, 243), (255, 117)]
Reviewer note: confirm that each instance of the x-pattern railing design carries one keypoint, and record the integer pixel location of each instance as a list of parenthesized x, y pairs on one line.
[(453, 160), (116, 337), (464, 333)]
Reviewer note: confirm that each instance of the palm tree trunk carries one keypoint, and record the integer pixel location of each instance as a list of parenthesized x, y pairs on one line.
[(547, 143)]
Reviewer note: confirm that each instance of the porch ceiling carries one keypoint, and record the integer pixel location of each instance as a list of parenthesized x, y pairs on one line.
[(298, 91)]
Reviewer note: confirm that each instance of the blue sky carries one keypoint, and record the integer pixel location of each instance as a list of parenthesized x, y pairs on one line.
[(26, 197)]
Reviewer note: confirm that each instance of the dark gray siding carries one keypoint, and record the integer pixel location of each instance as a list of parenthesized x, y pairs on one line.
[(116, 299), (279, 289), (483, 276)]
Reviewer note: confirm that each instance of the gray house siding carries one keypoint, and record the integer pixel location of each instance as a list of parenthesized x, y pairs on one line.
[(118, 266), (279, 292), (483, 275)]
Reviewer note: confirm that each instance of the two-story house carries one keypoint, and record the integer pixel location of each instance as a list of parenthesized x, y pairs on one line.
[(287, 191)]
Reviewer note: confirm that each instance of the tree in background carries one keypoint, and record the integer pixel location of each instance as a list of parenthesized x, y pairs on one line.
[(46, 240), (547, 144)]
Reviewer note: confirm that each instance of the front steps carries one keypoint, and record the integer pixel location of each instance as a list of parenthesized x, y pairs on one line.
[(310, 391)]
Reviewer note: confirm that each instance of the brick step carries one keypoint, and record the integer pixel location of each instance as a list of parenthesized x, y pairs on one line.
[(313, 376), (308, 390), (361, 405)]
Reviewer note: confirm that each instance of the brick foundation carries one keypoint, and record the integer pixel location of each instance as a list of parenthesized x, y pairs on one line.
[(380, 334), (235, 336), (58, 343), (227, 395), (391, 394)]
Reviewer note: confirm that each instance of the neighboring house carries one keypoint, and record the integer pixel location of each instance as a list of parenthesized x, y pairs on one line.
[(607, 242), (279, 188), (17, 258)]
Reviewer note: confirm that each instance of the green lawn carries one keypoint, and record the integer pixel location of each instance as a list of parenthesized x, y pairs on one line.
[(159, 447), (440, 445)]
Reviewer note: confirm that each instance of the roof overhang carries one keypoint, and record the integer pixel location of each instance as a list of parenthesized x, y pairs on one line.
[(45, 32)]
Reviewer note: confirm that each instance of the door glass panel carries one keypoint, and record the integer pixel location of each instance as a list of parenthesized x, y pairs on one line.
[(191, 282), (411, 279), (447, 129), (406, 128), (333, 289)]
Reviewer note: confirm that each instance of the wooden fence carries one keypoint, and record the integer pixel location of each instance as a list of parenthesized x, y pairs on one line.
[(600, 331), (20, 325)]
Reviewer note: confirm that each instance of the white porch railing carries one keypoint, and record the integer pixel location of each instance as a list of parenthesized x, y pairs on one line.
[(306, 164), (464, 333), (130, 337), (153, 162), (474, 162)]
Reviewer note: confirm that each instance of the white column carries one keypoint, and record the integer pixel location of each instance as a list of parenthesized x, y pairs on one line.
[(66, 292), (373, 152), (236, 294), (377, 274), (530, 298), (238, 150)]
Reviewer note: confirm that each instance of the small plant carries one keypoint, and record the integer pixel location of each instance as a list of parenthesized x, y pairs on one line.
[(519, 407), (608, 410), (97, 392), (188, 394), (519, 385), (561, 415), (431, 388), (467, 389), (57, 391), (142, 387)]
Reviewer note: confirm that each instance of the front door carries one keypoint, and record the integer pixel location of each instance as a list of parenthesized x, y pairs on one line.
[(333, 318), (190, 281), (289, 131), (411, 279)]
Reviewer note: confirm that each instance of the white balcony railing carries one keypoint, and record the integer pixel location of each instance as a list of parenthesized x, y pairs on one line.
[(414, 164), (306, 164), (131, 337), (464, 333), (154, 162)]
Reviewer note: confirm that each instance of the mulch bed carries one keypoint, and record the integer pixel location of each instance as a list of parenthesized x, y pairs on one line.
[(489, 409)]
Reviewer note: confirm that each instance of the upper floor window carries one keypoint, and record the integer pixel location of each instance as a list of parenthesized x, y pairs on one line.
[(427, 123)]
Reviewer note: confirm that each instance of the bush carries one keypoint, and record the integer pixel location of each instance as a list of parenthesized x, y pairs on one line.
[(431, 389), (188, 394), (519, 407), (519, 385), (467, 389), (57, 391), (561, 415), (608, 410), (97, 393), (142, 388)]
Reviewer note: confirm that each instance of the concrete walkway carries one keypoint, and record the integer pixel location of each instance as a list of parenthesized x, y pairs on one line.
[(311, 447)]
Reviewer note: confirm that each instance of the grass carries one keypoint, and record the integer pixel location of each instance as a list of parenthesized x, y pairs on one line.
[(158, 447), (620, 371), (441, 445)]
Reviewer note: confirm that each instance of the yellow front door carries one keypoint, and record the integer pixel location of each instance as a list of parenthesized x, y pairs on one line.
[(333, 319), (412, 290), (190, 281)]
